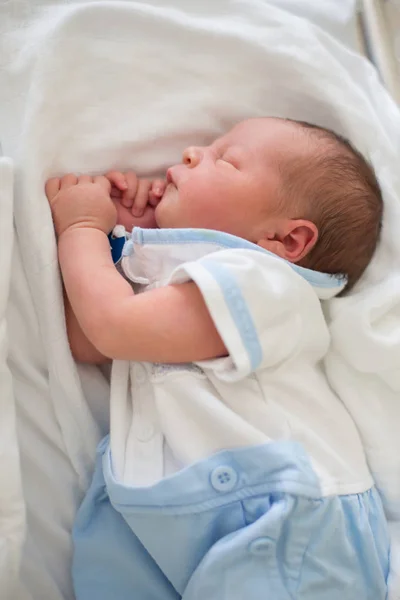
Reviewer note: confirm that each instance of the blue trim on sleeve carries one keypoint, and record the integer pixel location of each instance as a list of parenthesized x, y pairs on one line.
[(238, 309), (209, 236)]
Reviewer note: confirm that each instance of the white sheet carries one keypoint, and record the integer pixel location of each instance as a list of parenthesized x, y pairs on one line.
[(12, 514), (127, 84)]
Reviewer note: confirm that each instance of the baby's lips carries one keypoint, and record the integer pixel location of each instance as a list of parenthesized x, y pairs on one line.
[(170, 176)]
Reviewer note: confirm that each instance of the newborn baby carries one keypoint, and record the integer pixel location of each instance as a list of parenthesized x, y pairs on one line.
[(297, 190), (235, 472)]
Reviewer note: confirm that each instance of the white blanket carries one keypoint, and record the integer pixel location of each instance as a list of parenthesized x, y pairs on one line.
[(11, 501), (87, 87)]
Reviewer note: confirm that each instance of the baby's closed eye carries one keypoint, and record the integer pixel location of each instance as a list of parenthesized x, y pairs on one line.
[(228, 161)]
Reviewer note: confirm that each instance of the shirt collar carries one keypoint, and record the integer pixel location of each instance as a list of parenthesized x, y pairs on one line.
[(325, 285)]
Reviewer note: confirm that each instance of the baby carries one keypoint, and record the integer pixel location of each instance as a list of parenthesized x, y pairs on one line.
[(252, 482), (295, 189)]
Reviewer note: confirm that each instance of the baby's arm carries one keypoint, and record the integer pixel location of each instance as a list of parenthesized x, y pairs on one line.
[(130, 195), (81, 348), (170, 324)]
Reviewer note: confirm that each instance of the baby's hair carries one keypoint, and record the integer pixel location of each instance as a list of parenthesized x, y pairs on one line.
[(336, 188)]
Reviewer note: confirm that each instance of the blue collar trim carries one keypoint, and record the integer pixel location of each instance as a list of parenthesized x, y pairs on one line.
[(142, 236)]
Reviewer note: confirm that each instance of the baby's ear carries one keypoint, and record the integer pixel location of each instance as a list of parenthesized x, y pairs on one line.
[(292, 241)]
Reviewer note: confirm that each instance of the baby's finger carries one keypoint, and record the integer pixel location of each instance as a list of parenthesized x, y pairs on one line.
[(129, 194), (118, 179), (157, 192), (153, 199), (68, 181), (141, 198), (104, 182), (158, 187), (85, 179), (52, 187)]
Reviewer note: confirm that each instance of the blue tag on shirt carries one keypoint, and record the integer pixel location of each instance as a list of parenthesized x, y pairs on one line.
[(116, 246)]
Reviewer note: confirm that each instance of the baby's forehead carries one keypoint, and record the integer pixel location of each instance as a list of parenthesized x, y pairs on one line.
[(265, 133), (265, 141)]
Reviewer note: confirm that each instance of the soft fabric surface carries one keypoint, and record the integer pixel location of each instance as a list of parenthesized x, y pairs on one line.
[(90, 86), (11, 501)]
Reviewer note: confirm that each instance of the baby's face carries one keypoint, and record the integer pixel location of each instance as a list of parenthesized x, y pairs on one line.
[(231, 185)]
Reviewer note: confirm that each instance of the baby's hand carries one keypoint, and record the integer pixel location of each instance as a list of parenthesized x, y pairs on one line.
[(81, 202), (135, 199)]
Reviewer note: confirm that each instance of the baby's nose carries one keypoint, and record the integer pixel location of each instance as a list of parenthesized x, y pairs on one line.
[(192, 156)]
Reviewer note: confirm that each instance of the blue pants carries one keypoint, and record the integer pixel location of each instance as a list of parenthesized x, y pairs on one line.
[(245, 524)]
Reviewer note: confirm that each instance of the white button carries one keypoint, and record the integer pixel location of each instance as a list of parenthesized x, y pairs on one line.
[(139, 374), (261, 546), (223, 479)]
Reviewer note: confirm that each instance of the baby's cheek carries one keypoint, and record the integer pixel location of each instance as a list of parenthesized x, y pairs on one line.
[(205, 200), (197, 192)]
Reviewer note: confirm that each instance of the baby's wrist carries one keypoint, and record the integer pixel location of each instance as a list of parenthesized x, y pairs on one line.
[(80, 229)]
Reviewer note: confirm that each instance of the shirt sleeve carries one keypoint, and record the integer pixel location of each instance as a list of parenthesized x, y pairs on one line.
[(260, 307)]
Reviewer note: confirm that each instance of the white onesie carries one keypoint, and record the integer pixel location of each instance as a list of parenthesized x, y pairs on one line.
[(271, 386), (239, 477)]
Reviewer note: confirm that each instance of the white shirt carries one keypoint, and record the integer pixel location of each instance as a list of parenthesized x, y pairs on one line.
[(271, 386)]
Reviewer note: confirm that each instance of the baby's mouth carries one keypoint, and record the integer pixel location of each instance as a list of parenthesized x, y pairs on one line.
[(170, 177), (169, 188)]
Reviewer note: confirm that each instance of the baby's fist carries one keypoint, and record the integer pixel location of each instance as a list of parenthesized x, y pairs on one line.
[(81, 202)]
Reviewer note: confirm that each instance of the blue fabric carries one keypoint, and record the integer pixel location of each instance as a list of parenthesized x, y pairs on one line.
[(239, 310), (109, 562), (116, 245), (244, 524)]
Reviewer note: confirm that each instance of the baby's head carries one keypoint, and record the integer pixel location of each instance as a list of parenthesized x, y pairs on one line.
[(299, 191)]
